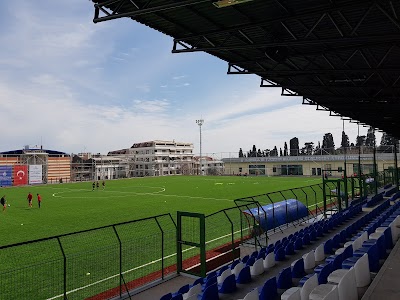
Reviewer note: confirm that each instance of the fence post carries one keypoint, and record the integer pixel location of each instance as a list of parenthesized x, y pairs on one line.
[(120, 261), (233, 239), (65, 268), (162, 248), (297, 204), (287, 220)]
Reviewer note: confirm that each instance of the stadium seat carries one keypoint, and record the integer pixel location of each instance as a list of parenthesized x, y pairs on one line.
[(228, 285), (308, 285), (269, 290), (291, 294), (309, 260), (224, 274), (373, 256), (324, 292), (346, 281), (284, 280), (319, 253), (280, 254), (166, 297), (222, 269), (209, 281), (323, 273), (361, 269), (298, 268), (182, 290), (250, 261), (269, 260), (210, 293), (298, 244), (193, 292), (238, 267), (289, 249), (328, 247), (257, 268), (244, 276)]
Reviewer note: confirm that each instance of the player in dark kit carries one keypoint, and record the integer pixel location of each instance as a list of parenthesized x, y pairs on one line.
[(93, 186), (29, 199), (3, 202)]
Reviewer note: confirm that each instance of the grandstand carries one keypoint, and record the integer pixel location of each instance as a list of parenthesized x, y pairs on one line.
[(341, 56)]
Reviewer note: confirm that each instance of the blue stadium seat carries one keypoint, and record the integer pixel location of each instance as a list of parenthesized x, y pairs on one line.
[(244, 276), (284, 280), (269, 290), (298, 268), (228, 285), (210, 293)]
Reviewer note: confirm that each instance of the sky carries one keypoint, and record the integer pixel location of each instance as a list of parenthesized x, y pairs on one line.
[(74, 86)]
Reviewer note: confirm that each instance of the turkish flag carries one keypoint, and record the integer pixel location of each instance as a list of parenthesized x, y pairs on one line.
[(20, 174)]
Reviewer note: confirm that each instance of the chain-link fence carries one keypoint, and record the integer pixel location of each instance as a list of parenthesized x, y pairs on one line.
[(105, 261)]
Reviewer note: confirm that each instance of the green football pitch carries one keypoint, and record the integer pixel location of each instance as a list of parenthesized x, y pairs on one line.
[(74, 206), (92, 265)]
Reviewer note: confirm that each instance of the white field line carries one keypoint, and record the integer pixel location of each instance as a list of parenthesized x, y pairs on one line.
[(124, 194), (136, 268)]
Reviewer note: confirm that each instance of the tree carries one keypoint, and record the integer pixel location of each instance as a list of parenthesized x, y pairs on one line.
[(328, 144), (360, 141), (317, 150), (370, 140), (387, 143), (345, 140), (240, 152), (309, 147), (274, 152), (259, 154), (280, 152), (294, 146), (387, 140), (285, 150)]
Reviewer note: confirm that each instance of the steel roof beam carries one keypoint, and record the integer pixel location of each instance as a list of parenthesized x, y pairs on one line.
[(144, 11), (242, 71), (355, 41)]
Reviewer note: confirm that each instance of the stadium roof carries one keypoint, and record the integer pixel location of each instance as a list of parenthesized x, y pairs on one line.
[(33, 151), (341, 55)]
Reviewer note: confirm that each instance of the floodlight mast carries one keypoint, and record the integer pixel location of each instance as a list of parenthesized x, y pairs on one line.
[(200, 122)]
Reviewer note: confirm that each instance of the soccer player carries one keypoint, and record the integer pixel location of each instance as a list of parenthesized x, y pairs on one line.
[(103, 184), (29, 199), (39, 199), (3, 202), (97, 185), (93, 185)]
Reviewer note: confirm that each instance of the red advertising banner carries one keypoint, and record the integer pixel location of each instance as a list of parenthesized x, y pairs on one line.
[(20, 174)]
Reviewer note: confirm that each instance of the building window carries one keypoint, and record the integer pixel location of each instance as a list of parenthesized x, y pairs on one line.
[(257, 169)]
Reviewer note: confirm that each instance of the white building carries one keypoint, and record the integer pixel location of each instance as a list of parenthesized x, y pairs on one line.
[(209, 166), (159, 158), (156, 158)]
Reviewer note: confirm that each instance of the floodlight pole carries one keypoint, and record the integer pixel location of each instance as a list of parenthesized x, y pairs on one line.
[(200, 122)]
